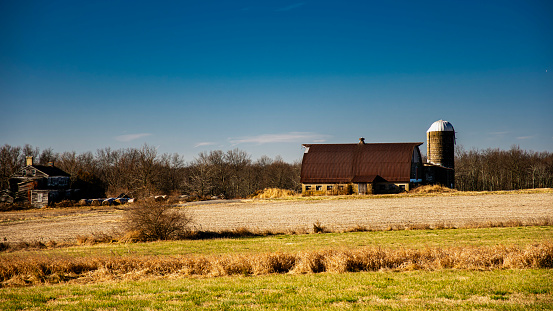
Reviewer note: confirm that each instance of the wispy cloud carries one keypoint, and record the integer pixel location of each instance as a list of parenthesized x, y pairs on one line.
[(291, 137), (499, 133), (204, 143), (525, 137), (290, 7), (131, 137)]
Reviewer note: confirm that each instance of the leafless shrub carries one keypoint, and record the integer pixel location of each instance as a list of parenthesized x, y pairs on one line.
[(319, 228), (156, 221)]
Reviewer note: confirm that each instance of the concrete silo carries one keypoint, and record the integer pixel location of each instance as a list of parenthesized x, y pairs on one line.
[(440, 144)]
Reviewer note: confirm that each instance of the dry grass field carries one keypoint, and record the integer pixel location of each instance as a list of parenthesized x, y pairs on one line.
[(298, 214)]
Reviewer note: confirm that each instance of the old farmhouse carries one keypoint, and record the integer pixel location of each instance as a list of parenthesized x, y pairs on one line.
[(361, 168), (40, 185)]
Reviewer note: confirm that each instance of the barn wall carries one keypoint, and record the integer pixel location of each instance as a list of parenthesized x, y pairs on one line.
[(336, 189)]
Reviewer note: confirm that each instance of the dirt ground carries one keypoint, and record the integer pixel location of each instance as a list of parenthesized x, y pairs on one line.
[(281, 215)]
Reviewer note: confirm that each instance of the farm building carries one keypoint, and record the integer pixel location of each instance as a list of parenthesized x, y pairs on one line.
[(440, 151), (40, 184), (361, 168), (366, 168)]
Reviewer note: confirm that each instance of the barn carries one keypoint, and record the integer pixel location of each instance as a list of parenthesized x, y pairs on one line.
[(361, 168)]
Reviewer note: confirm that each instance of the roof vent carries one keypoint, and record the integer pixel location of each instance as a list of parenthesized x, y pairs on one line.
[(362, 141)]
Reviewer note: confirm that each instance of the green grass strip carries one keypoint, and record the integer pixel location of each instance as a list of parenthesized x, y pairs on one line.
[(414, 239), (415, 290)]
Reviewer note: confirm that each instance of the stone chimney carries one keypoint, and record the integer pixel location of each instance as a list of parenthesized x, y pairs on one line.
[(362, 141), (29, 161)]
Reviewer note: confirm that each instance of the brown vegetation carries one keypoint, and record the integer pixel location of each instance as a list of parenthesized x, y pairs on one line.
[(432, 189), (33, 270), (149, 221), (274, 193)]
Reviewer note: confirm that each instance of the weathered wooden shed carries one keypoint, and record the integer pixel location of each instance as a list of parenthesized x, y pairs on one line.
[(361, 168)]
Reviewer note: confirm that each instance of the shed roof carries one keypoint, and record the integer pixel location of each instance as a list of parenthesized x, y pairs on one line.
[(343, 163), (51, 170)]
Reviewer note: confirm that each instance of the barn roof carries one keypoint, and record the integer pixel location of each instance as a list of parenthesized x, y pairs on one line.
[(344, 163)]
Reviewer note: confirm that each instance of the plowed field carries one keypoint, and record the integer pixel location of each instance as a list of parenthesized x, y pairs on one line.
[(282, 215)]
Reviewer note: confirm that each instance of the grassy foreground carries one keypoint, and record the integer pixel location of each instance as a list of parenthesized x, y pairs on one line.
[(459, 269), (415, 290)]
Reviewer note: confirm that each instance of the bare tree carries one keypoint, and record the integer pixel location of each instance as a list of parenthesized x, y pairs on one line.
[(147, 170), (201, 175), (47, 155), (10, 162), (172, 173)]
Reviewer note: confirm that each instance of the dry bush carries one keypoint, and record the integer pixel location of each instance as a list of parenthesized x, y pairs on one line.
[(274, 193), (319, 228), (272, 263), (432, 189), (156, 221)]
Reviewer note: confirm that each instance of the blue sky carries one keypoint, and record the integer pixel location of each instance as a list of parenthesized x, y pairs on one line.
[(267, 76)]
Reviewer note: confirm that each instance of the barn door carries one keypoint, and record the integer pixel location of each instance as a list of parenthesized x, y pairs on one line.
[(362, 188)]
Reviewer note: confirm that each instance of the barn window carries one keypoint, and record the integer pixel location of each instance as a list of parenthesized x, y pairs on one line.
[(328, 188), (319, 188), (307, 188)]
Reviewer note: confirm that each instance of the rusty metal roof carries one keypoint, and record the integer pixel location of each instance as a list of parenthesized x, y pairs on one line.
[(344, 163)]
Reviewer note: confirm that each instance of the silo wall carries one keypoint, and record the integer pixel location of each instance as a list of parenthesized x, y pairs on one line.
[(440, 148)]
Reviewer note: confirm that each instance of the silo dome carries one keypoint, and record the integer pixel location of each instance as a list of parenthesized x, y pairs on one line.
[(441, 126)]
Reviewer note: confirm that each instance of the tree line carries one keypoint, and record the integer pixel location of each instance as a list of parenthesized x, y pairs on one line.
[(142, 172), (495, 169)]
